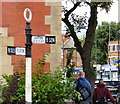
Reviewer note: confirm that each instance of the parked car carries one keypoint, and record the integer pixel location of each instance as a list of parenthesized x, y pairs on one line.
[(113, 86)]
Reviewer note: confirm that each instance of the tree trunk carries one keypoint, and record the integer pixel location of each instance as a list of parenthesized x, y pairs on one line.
[(89, 41), (85, 51)]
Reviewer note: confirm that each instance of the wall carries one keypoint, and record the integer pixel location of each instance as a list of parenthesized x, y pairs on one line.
[(46, 20)]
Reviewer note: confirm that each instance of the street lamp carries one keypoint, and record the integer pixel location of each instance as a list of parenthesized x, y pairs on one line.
[(28, 77), (118, 35)]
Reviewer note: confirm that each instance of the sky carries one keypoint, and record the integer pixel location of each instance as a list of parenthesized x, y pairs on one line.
[(112, 15)]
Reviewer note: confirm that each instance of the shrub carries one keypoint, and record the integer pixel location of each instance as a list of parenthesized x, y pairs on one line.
[(47, 88)]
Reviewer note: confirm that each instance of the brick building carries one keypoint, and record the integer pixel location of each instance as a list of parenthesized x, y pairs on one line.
[(46, 21), (113, 52)]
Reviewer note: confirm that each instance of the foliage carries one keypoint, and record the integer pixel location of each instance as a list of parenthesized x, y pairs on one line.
[(69, 65), (103, 5), (40, 64), (10, 87), (70, 70), (69, 56), (82, 40), (104, 33), (54, 90), (47, 88), (1, 99)]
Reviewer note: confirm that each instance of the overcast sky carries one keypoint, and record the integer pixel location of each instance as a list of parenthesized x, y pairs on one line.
[(112, 15)]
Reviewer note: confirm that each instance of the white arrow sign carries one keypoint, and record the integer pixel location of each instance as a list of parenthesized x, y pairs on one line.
[(38, 39), (44, 39)]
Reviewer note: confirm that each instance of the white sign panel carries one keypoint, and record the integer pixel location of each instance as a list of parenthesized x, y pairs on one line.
[(20, 51), (38, 39)]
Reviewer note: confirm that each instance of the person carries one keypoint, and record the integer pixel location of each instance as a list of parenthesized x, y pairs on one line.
[(102, 91), (85, 83)]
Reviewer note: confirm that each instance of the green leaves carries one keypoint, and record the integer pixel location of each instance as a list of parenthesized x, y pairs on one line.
[(47, 88), (104, 33)]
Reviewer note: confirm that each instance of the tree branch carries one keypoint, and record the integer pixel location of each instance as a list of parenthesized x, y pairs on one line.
[(77, 43), (72, 9), (87, 3)]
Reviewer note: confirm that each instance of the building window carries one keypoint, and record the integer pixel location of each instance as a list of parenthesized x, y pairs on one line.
[(113, 48)]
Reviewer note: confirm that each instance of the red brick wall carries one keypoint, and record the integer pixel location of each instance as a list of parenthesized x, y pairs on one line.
[(12, 17)]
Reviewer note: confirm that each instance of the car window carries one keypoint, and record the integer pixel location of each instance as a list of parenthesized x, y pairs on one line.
[(117, 83)]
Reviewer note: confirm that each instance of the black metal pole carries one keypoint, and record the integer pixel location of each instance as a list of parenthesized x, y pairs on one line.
[(28, 39)]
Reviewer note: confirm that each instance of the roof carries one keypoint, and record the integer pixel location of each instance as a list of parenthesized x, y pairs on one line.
[(69, 43)]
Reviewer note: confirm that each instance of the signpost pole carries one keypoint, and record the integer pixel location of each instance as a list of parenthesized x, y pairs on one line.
[(28, 77)]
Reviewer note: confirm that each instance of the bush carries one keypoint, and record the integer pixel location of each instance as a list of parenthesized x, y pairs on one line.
[(47, 88)]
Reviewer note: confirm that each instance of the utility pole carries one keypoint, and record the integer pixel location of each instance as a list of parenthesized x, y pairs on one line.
[(28, 76), (118, 41), (118, 55), (109, 56)]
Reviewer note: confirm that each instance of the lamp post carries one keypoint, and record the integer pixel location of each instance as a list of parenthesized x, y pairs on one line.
[(118, 54), (28, 76)]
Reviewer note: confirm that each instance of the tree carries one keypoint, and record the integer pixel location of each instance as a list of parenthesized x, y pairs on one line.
[(104, 33), (69, 65), (75, 23)]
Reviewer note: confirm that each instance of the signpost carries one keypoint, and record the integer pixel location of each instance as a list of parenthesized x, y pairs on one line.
[(50, 39), (28, 77), (12, 50), (29, 40), (20, 51), (44, 39), (38, 39)]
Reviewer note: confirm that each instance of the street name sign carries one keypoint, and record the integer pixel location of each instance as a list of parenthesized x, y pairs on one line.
[(11, 50), (38, 39), (20, 51), (44, 39), (50, 39)]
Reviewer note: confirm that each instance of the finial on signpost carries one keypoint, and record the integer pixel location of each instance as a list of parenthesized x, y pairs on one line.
[(27, 10)]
